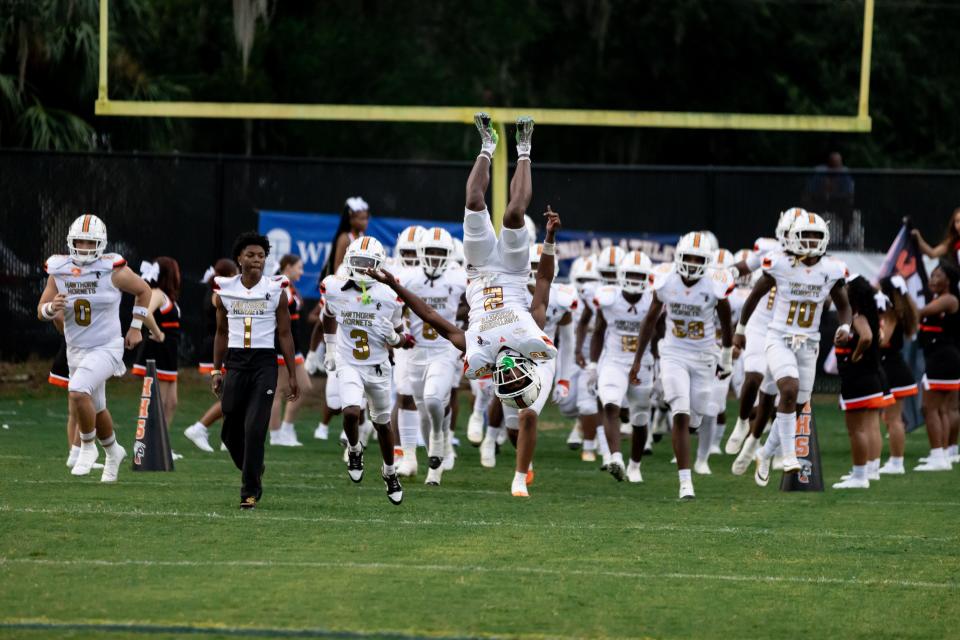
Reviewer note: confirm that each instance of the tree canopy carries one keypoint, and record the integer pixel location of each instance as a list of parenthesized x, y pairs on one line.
[(759, 56)]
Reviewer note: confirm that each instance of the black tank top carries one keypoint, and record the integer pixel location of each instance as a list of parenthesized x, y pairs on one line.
[(869, 363), (938, 331), (896, 340), (167, 316)]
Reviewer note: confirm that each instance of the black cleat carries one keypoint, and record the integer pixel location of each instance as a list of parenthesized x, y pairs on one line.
[(355, 465), (434, 462), (394, 490)]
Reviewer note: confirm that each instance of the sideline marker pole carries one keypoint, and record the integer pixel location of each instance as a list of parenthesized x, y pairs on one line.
[(810, 476), (151, 449)]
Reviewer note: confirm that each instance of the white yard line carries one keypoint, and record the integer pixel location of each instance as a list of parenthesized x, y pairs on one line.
[(423, 522), (512, 570)]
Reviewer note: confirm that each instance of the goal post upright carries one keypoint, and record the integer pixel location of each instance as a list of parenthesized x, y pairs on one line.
[(859, 123)]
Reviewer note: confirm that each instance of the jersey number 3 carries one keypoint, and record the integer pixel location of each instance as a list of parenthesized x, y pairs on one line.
[(361, 349)]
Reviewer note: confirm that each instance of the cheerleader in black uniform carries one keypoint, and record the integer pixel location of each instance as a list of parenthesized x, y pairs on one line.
[(938, 335), (198, 432), (898, 320), (283, 433), (862, 392), (163, 276)]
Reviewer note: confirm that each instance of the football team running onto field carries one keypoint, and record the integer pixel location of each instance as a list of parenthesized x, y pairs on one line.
[(651, 346)]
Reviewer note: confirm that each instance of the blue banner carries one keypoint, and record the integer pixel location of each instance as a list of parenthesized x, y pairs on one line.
[(310, 235)]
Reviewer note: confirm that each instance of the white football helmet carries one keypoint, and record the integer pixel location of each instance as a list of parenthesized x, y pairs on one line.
[(808, 236), (783, 223), (712, 241), (515, 380), (434, 250), (364, 253), (582, 271), (458, 256), (87, 227), (531, 227), (723, 259), (691, 246), (536, 250), (633, 273), (407, 241), (608, 262)]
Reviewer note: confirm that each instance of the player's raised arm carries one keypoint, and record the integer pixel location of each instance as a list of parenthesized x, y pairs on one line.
[(421, 309), (545, 269)]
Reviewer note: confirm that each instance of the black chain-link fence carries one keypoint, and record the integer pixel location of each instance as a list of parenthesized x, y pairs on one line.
[(191, 207)]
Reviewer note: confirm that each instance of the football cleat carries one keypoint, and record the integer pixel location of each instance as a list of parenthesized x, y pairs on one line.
[(434, 475), (488, 452), (686, 490), (701, 467), (735, 441), (519, 489), (524, 135), (111, 465), (575, 439), (530, 475), (588, 455), (617, 471), (85, 461), (633, 472), (762, 475), (449, 454), (407, 467), (746, 455), (488, 133), (892, 469), (394, 490), (355, 464), (791, 464), (248, 503), (322, 432)]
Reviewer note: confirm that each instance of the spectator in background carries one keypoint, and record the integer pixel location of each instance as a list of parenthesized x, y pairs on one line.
[(830, 192), (949, 247), (353, 224)]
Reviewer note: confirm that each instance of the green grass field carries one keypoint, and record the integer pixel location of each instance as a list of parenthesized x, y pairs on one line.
[(170, 555)]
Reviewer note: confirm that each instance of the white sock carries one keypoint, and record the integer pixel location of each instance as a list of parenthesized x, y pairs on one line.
[(408, 424), (873, 466), (493, 433), (616, 458), (87, 439), (859, 472), (590, 445), (109, 444), (718, 431), (74, 449), (634, 464), (895, 462), (602, 446), (286, 426), (786, 426), (772, 446), (357, 448), (684, 475), (389, 469), (705, 437), (366, 429), (520, 477), (198, 423)]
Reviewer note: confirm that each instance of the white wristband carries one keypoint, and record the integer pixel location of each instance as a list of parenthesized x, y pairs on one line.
[(136, 323), (844, 327), (741, 329), (726, 357), (140, 311), (591, 366), (549, 249), (47, 311)]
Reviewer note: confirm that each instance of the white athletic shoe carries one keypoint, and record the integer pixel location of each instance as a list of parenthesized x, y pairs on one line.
[(519, 488), (223, 447), (434, 476), (588, 455), (488, 452), (715, 450), (930, 465), (735, 441), (290, 436), (449, 455), (111, 466), (762, 474), (892, 469), (790, 464), (633, 472), (575, 439), (322, 432), (502, 438), (72, 456), (852, 483), (873, 476), (475, 429), (276, 438), (701, 467), (745, 457), (199, 435), (407, 468), (777, 463), (86, 459), (686, 490), (175, 456)]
